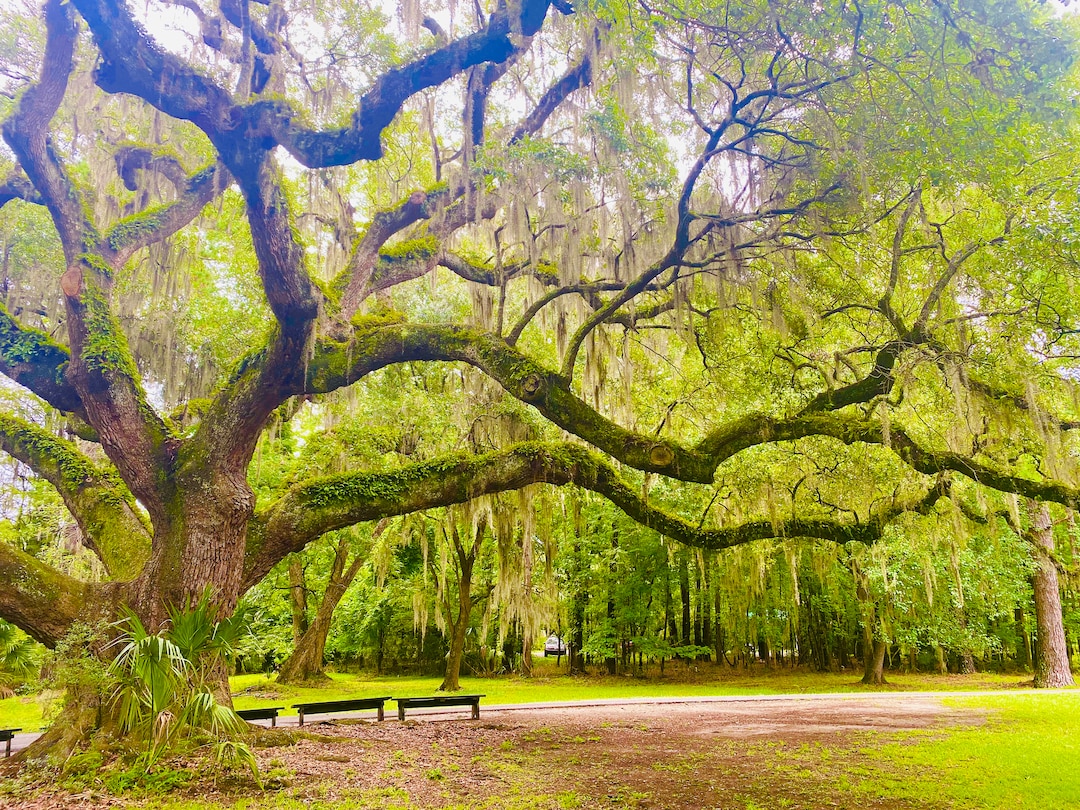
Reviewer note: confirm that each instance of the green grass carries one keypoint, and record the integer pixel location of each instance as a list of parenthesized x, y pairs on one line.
[(1027, 755), (550, 684), (29, 712)]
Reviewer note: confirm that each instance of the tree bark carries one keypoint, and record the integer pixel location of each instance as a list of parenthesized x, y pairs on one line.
[(1051, 654), (298, 599), (873, 660), (459, 624), (684, 598), (306, 662)]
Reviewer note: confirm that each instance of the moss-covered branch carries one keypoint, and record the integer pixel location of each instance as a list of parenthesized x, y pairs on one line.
[(160, 222), (316, 507), (133, 435), (45, 603), (32, 359), (132, 63), (378, 344), (26, 130), (96, 498)]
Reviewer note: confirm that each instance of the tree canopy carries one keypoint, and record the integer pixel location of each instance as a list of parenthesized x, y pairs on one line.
[(747, 271)]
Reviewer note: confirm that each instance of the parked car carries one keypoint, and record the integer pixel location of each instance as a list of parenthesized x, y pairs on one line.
[(554, 646)]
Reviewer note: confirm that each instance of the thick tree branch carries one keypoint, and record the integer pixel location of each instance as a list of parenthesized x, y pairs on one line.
[(379, 346), (314, 508), (33, 360), (45, 603), (153, 225), (132, 63), (17, 187), (334, 365), (27, 129), (96, 498)]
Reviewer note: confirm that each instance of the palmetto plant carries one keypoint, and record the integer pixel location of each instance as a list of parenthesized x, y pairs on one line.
[(19, 657), (163, 691)]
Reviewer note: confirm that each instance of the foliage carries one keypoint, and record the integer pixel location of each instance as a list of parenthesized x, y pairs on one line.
[(164, 682)]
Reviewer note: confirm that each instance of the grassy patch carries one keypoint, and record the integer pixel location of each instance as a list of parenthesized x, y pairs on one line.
[(550, 684), (29, 712), (1027, 755)]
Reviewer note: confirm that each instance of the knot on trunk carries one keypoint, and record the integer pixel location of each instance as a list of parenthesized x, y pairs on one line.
[(532, 387), (661, 455)]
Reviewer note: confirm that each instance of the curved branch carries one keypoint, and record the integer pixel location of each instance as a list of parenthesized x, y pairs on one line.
[(578, 76), (27, 129), (507, 33), (314, 508), (17, 187), (334, 365), (30, 358), (153, 225), (96, 498), (45, 603), (132, 63)]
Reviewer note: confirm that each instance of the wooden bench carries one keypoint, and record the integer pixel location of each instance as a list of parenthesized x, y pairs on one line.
[(328, 706), (404, 703), (269, 713), (5, 737)]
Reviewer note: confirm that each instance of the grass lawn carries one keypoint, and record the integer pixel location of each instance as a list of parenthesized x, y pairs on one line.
[(1027, 755), (551, 684)]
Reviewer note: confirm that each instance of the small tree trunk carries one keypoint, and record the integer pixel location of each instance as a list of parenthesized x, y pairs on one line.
[(684, 595), (452, 676), (1023, 649), (1051, 654), (526, 584), (306, 661), (578, 596), (458, 626), (873, 662), (298, 599)]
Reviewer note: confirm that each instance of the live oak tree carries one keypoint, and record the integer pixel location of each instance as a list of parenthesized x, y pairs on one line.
[(686, 239)]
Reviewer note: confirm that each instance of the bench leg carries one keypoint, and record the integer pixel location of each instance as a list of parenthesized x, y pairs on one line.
[(273, 721), (476, 710), (7, 748), (401, 712), (381, 714), (301, 716)]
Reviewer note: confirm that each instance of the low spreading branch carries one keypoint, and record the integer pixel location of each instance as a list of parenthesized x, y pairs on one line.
[(311, 509), (95, 497)]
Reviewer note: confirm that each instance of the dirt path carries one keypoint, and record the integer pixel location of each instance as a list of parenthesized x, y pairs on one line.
[(743, 753)]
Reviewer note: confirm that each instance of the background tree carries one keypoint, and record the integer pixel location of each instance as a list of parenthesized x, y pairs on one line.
[(716, 272)]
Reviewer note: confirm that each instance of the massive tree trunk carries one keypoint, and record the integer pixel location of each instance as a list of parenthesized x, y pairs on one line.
[(306, 662), (1051, 653)]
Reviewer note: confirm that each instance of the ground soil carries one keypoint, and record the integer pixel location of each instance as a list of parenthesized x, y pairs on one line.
[(789, 752)]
